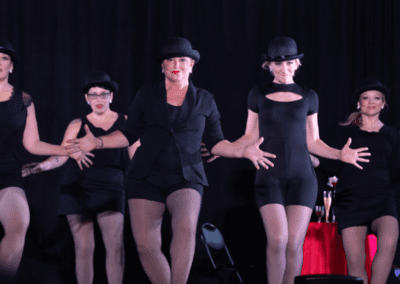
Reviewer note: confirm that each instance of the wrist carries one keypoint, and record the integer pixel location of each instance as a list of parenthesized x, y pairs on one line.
[(242, 152), (99, 143), (44, 166)]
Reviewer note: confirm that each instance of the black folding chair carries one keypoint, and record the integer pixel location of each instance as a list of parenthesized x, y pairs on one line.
[(327, 279), (217, 250)]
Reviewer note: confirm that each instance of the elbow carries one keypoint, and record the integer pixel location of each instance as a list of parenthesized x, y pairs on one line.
[(29, 146), (312, 145)]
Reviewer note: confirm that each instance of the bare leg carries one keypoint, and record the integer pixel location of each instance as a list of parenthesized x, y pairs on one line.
[(14, 216), (83, 234), (298, 218), (146, 218), (388, 234), (354, 247), (276, 228), (184, 206), (112, 227)]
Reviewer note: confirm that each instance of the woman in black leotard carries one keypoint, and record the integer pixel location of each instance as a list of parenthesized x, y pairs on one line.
[(96, 192), (171, 118), (18, 126), (365, 199), (285, 114)]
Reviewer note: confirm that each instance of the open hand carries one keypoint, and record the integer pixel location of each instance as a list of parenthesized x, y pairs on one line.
[(32, 168), (206, 153), (257, 156), (352, 156), (84, 144), (82, 158)]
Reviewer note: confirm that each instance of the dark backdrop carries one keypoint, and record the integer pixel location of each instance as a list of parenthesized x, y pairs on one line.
[(61, 41)]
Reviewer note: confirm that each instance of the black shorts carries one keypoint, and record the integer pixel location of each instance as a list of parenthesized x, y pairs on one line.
[(297, 191), (93, 190), (11, 181), (157, 186)]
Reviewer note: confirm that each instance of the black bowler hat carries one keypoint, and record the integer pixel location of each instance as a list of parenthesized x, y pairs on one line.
[(99, 79), (369, 85), (281, 49), (176, 47), (7, 48)]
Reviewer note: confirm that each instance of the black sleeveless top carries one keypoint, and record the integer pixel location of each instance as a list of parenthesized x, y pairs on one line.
[(12, 125), (117, 158)]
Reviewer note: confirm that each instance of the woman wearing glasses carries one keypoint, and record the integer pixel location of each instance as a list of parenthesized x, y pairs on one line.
[(98, 191)]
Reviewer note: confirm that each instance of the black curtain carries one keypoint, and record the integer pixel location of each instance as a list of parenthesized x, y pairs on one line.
[(61, 41)]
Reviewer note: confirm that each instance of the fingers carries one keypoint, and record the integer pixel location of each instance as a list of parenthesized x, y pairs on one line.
[(212, 159), (268, 162), (348, 143), (73, 147), (85, 163), (357, 165), (256, 165), (362, 160), (30, 165), (79, 164), (259, 142), (269, 155), (72, 151), (86, 160), (89, 154), (362, 150), (262, 163), (87, 129), (205, 154), (73, 141)]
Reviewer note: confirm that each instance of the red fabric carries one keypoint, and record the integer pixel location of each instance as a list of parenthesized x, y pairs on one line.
[(323, 251)]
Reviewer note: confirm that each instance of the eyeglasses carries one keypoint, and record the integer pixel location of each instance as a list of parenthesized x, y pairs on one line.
[(102, 95)]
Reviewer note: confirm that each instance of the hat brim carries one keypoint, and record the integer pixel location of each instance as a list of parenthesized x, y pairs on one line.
[(13, 54), (195, 55), (265, 57), (113, 86), (381, 89)]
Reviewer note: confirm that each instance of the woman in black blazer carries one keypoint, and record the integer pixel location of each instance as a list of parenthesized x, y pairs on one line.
[(171, 119)]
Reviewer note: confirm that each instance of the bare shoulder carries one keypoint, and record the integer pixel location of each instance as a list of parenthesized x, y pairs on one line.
[(27, 99), (76, 121), (75, 124)]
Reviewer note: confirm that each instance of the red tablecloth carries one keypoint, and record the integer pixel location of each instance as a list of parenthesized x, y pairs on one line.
[(323, 251)]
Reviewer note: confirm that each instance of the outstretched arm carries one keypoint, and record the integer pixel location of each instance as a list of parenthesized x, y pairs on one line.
[(247, 146), (57, 161), (31, 139), (317, 146), (88, 143)]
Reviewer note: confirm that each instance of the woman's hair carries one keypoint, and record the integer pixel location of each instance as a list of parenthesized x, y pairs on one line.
[(266, 64), (356, 117)]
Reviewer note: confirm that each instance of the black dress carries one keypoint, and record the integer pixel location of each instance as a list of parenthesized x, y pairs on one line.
[(12, 125), (292, 181), (99, 188), (365, 195)]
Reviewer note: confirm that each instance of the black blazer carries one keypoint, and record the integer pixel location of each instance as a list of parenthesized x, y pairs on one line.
[(148, 121)]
